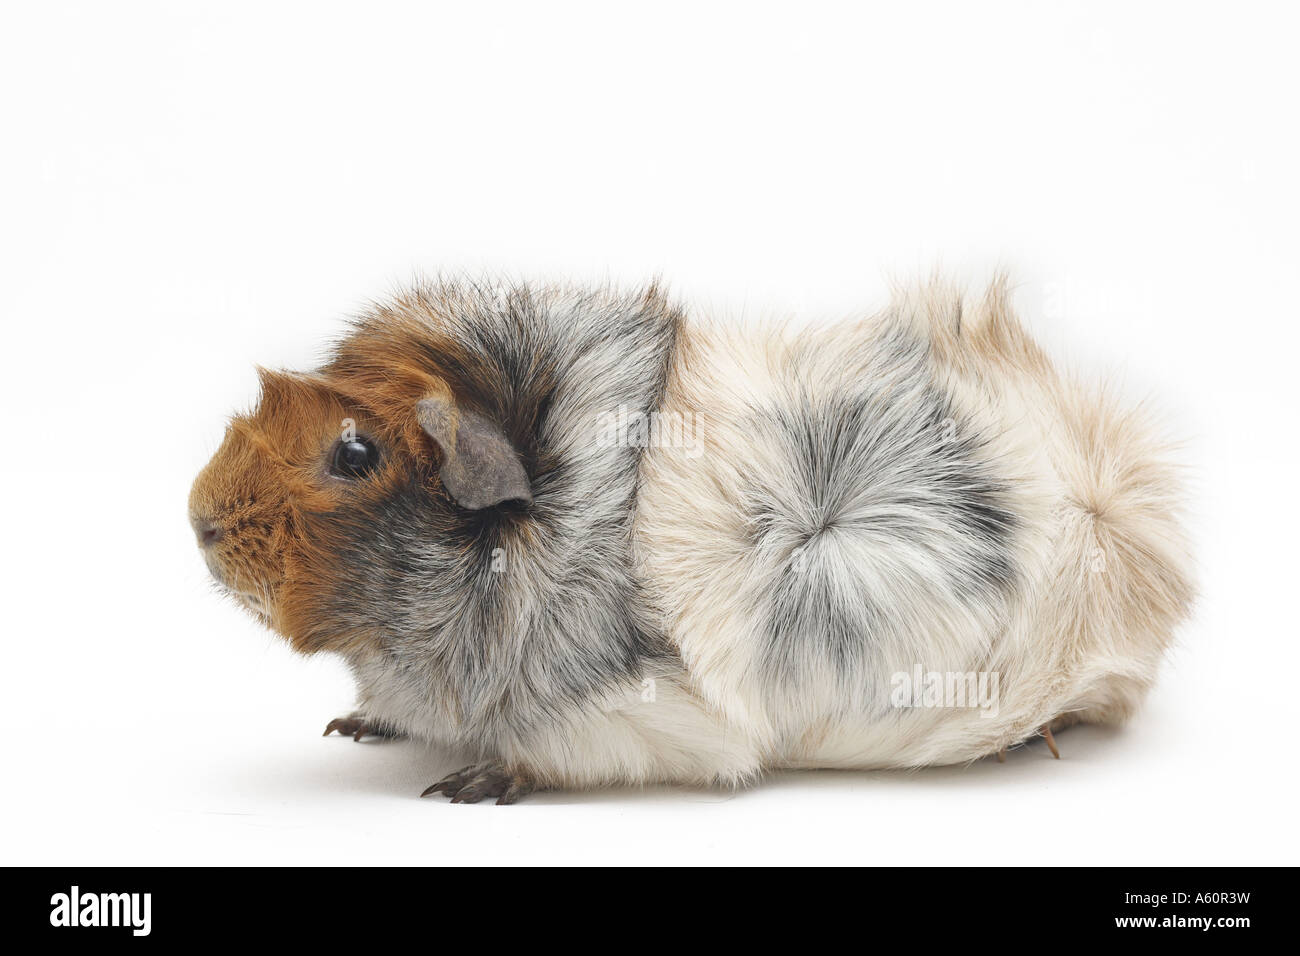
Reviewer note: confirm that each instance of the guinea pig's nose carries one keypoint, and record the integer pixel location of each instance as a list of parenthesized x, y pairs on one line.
[(208, 532)]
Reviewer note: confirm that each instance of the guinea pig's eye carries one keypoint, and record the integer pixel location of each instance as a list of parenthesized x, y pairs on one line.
[(354, 459)]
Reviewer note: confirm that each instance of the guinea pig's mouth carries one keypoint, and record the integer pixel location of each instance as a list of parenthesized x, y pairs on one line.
[(256, 603), (259, 600)]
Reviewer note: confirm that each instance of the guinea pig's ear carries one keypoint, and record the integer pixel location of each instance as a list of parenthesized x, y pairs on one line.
[(479, 465)]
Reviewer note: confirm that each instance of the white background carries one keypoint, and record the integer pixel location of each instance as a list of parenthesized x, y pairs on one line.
[(189, 190)]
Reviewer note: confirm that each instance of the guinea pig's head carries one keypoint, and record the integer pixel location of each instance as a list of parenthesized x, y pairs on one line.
[(336, 488)]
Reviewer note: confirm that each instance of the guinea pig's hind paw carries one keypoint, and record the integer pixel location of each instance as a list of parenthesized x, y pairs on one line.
[(471, 784), (357, 728)]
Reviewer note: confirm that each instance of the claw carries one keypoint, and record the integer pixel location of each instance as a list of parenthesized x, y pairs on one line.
[(1051, 741), (356, 728), (450, 783), (345, 725), (489, 783), (513, 792), (1002, 755), (474, 783)]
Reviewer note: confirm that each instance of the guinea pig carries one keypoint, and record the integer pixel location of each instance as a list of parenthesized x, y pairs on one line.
[(595, 539)]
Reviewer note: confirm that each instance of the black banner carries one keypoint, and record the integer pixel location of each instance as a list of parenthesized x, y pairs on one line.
[(333, 906)]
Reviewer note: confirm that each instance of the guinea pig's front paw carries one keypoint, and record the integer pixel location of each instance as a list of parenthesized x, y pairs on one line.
[(357, 727), (471, 784)]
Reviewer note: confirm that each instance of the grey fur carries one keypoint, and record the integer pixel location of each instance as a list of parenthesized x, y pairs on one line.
[(508, 617), (890, 468)]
